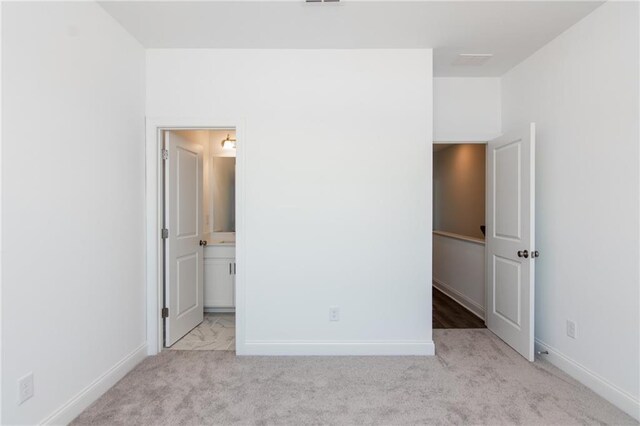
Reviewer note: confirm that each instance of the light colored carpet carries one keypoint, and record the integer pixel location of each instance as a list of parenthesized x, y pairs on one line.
[(474, 379)]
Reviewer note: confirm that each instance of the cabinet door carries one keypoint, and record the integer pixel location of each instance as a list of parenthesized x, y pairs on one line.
[(218, 283)]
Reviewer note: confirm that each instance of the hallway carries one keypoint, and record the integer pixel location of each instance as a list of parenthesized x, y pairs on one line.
[(447, 313)]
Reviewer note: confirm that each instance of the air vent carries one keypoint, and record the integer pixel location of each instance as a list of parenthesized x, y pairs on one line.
[(472, 59)]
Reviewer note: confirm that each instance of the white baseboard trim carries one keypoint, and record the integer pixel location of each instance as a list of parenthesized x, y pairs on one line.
[(400, 348), (72, 408), (220, 310), (470, 305), (593, 381)]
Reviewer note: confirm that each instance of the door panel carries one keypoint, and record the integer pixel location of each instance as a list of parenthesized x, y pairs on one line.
[(510, 238), (507, 193), (187, 293), (507, 286), (187, 192), (183, 252)]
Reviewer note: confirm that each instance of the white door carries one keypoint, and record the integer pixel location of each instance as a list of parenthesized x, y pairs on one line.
[(510, 238), (183, 250)]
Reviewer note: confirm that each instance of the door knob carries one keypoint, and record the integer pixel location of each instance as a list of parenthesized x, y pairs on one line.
[(523, 253), (535, 254), (203, 243)]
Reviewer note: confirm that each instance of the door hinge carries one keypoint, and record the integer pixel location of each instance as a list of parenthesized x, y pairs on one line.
[(165, 154), (165, 312), (164, 232)]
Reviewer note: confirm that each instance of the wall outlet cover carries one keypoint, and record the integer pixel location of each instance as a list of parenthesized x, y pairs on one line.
[(25, 388), (334, 313), (571, 329)]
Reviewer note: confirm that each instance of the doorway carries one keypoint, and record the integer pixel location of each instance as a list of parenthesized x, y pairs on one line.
[(194, 242), (199, 239), (493, 275), (458, 235)]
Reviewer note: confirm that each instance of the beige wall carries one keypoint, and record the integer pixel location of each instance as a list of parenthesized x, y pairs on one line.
[(459, 189)]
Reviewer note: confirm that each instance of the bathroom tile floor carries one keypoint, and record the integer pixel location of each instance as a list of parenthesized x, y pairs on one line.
[(216, 333)]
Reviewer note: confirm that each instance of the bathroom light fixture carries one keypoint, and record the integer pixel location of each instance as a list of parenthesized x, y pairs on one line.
[(228, 143)]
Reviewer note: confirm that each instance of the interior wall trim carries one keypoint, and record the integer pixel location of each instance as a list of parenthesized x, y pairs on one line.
[(87, 396), (618, 397), (393, 347)]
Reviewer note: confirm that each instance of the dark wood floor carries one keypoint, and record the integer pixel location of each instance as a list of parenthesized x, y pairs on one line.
[(447, 313)]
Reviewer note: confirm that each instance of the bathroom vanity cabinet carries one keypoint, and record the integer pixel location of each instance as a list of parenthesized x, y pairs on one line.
[(220, 277)]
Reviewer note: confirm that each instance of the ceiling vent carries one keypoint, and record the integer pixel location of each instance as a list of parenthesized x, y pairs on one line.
[(472, 59)]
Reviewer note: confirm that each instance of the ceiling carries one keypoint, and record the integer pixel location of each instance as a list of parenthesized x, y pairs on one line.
[(510, 30)]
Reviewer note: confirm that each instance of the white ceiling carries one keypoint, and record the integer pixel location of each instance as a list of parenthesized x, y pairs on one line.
[(510, 30)]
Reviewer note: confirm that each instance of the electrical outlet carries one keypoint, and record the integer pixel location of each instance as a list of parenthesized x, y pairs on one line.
[(571, 329), (334, 313), (25, 388)]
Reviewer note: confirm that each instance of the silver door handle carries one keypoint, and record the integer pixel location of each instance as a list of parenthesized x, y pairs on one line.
[(523, 253)]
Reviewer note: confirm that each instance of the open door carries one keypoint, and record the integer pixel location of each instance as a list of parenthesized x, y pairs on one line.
[(183, 246), (510, 250)]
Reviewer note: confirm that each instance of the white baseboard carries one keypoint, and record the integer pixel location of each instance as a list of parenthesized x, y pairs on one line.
[(470, 305), (596, 383), (220, 310), (72, 408), (401, 348)]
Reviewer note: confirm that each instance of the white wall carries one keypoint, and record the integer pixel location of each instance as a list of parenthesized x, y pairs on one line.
[(582, 91), (458, 269), (329, 220), (73, 206), (466, 109)]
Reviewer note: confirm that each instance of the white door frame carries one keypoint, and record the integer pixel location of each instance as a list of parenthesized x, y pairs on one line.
[(154, 254)]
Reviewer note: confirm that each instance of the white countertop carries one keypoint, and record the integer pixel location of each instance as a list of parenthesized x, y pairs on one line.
[(220, 238)]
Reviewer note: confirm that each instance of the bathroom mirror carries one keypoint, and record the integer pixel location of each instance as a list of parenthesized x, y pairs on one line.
[(224, 194)]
